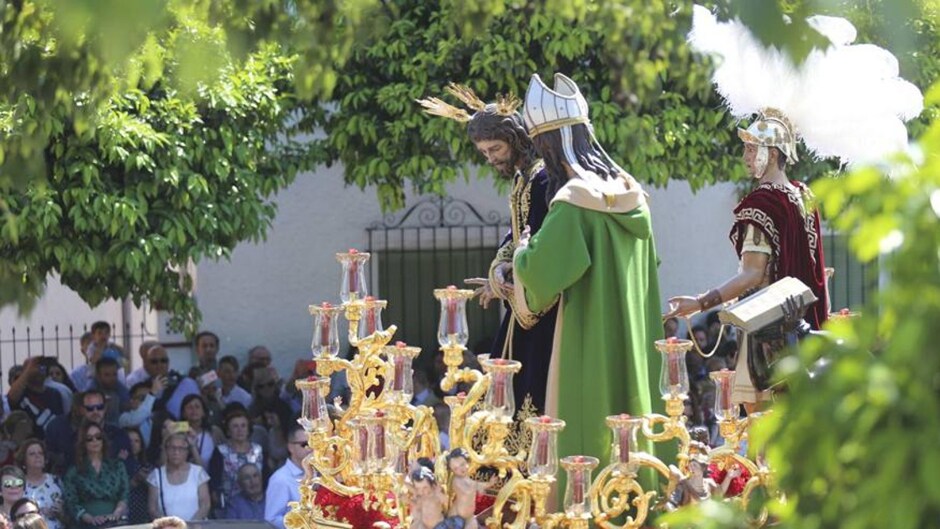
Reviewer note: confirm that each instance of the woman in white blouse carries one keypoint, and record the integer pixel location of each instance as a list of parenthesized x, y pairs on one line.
[(179, 488)]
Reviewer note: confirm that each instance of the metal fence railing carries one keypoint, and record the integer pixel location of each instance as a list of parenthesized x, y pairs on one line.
[(60, 341), (435, 243), (854, 281)]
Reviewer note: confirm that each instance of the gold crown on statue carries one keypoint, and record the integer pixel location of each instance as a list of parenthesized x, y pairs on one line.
[(506, 105)]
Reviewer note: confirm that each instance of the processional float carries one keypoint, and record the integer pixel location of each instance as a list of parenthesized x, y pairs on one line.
[(356, 473)]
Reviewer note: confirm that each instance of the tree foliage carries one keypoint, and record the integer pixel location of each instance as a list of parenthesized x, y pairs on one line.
[(854, 445), (651, 102), (51, 50), (159, 179), (121, 94), (140, 136)]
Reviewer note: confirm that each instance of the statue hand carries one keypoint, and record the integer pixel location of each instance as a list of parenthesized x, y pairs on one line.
[(503, 272), (524, 238), (483, 290)]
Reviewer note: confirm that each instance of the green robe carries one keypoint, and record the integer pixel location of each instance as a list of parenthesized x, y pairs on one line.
[(604, 266)]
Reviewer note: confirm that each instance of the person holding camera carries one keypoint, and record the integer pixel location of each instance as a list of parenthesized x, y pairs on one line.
[(177, 386), (28, 392), (200, 436)]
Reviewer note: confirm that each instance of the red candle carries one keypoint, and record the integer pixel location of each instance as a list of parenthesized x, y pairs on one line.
[(379, 437), (623, 440), (314, 410), (370, 316), (499, 389), (673, 368), (398, 382), (363, 444), (451, 316), (353, 276), (725, 392), (541, 449), (325, 325), (672, 340), (541, 444), (578, 482)]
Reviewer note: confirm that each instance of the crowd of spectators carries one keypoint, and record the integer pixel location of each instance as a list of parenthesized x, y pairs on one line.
[(97, 447), (104, 445)]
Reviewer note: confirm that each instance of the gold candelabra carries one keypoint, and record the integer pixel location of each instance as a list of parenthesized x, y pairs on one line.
[(367, 448)]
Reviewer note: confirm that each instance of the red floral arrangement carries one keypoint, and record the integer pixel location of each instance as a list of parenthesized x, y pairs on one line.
[(350, 509), (737, 484)]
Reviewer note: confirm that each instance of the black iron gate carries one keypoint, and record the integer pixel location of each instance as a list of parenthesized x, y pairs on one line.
[(437, 242), (854, 281)]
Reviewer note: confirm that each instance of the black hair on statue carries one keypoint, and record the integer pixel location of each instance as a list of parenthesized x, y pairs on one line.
[(588, 153), (489, 125)]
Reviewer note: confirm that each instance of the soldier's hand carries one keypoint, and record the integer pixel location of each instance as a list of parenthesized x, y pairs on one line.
[(682, 305)]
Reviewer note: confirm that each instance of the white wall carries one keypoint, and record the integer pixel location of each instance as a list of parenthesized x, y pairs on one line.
[(57, 322), (692, 237), (261, 295), (59, 309)]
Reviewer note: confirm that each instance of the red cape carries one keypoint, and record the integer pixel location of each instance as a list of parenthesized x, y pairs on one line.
[(795, 238)]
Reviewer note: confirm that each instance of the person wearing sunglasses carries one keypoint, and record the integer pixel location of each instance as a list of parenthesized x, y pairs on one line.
[(30, 521), (42, 488), (24, 507), (12, 489), (140, 374), (96, 487), (283, 487), (176, 386), (60, 438)]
